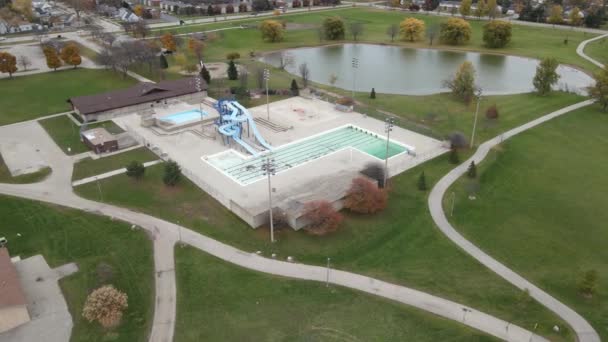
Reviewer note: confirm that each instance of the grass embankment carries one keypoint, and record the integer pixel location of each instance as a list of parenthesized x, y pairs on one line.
[(106, 252), (598, 50), (66, 133), (6, 177), (236, 304), (30, 97), (400, 245), (90, 167), (541, 208)]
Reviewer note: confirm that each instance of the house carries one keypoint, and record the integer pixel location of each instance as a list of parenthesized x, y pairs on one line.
[(140, 97), (13, 304), (99, 140)]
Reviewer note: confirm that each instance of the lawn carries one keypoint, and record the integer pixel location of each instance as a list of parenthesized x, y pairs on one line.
[(400, 245), (66, 133), (90, 167), (105, 251), (598, 50), (30, 97), (541, 208), (217, 301), (6, 177)]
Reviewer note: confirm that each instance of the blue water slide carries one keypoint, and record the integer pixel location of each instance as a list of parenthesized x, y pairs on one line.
[(232, 127), (252, 124)]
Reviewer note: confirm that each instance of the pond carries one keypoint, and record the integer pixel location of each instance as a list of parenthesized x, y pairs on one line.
[(408, 71)]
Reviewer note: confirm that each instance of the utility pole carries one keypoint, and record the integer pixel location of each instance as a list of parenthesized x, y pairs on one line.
[(327, 278), (388, 127), (478, 94), (355, 65), (199, 88), (267, 78), (269, 168)]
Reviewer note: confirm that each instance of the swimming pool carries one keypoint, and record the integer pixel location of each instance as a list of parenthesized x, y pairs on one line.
[(248, 170), (181, 117)]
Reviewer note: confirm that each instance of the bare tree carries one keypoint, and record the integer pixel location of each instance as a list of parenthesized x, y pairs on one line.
[(25, 62), (141, 29), (106, 59), (259, 77), (304, 73), (285, 59), (432, 33), (356, 29), (108, 38), (392, 31)]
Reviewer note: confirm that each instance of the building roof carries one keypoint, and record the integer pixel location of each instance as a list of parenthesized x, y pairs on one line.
[(98, 136), (140, 93), (11, 293)]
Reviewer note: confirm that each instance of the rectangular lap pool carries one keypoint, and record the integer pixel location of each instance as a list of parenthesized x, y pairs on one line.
[(183, 117), (247, 170)]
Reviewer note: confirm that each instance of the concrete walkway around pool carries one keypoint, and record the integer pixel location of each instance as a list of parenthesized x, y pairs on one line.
[(110, 174)]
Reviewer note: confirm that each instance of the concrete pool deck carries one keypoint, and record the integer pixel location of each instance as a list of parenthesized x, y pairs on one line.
[(326, 176)]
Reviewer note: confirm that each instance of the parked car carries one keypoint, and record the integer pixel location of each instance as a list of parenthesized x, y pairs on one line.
[(2, 38)]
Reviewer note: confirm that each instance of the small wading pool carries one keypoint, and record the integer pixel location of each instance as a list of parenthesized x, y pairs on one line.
[(182, 117), (247, 170)]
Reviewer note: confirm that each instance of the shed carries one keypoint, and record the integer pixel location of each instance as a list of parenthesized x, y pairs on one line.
[(100, 140)]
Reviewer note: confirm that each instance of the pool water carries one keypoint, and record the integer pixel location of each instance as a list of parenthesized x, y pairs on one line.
[(248, 170), (181, 117)]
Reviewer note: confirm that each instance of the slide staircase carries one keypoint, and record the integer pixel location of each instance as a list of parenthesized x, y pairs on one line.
[(230, 124)]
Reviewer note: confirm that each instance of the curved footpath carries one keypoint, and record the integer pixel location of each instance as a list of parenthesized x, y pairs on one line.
[(580, 49), (582, 328)]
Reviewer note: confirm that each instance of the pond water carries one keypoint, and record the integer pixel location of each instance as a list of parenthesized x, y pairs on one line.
[(399, 70)]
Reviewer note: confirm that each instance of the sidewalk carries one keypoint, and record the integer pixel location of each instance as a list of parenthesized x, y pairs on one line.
[(110, 174)]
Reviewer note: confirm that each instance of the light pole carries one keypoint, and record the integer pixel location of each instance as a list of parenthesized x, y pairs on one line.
[(269, 168), (267, 78), (355, 65), (327, 278), (199, 88), (478, 94), (388, 127)]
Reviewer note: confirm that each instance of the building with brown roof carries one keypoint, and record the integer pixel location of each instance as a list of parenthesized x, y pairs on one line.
[(13, 305), (100, 140), (140, 97)]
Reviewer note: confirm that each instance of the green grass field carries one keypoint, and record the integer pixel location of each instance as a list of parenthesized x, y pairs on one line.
[(66, 133), (401, 244), (106, 252), (91, 167), (541, 208), (598, 50), (30, 97), (217, 301)]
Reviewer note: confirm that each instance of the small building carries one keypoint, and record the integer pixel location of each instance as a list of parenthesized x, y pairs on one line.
[(13, 304), (99, 140), (142, 96)]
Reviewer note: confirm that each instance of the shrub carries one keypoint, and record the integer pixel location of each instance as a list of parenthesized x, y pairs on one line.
[(462, 84), (546, 75), (136, 169), (242, 7), (217, 9), (372, 95), (305, 3), (457, 140), (454, 159), (172, 174), (272, 30), (233, 73), (296, 4), (105, 305), (497, 34), (229, 8), (295, 91), (374, 171), (472, 170), (411, 29), (365, 197), (455, 31), (333, 28), (587, 284), (414, 8), (422, 182), (492, 112), (233, 55), (345, 101), (322, 217)]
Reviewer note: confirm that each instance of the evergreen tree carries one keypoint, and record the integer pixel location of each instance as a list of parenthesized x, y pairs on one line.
[(136, 169), (163, 62), (454, 159), (372, 95), (472, 170), (172, 173), (233, 73), (205, 74), (422, 182), (295, 91)]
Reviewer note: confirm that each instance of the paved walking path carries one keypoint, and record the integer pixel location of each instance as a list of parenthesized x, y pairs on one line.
[(110, 174), (580, 49), (582, 328)]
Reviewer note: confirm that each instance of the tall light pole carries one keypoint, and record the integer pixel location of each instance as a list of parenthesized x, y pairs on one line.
[(198, 85), (388, 127), (478, 95), (269, 168), (327, 278), (355, 65), (267, 78)]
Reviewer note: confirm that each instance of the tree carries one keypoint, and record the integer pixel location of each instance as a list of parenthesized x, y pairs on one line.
[(492, 112), (497, 34), (322, 217), (431, 33), (25, 62), (546, 75), (576, 18), (304, 73), (261, 5), (52, 60), (374, 171), (365, 197), (412, 29), (196, 48), (481, 9), (422, 182), (233, 56), (172, 173), (210, 10), (68, 51), (141, 29), (105, 305), (454, 159), (181, 60), (136, 169), (23, 7), (233, 73), (272, 30), (392, 31), (356, 29), (457, 140), (75, 60), (472, 170), (163, 62), (138, 10), (556, 15), (285, 59), (295, 91), (465, 8), (8, 63), (205, 74), (168, 42), (492, 9), (455, 31), (599, 91), (333, 28), (372, 95), (587, 284), (462, 84)]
